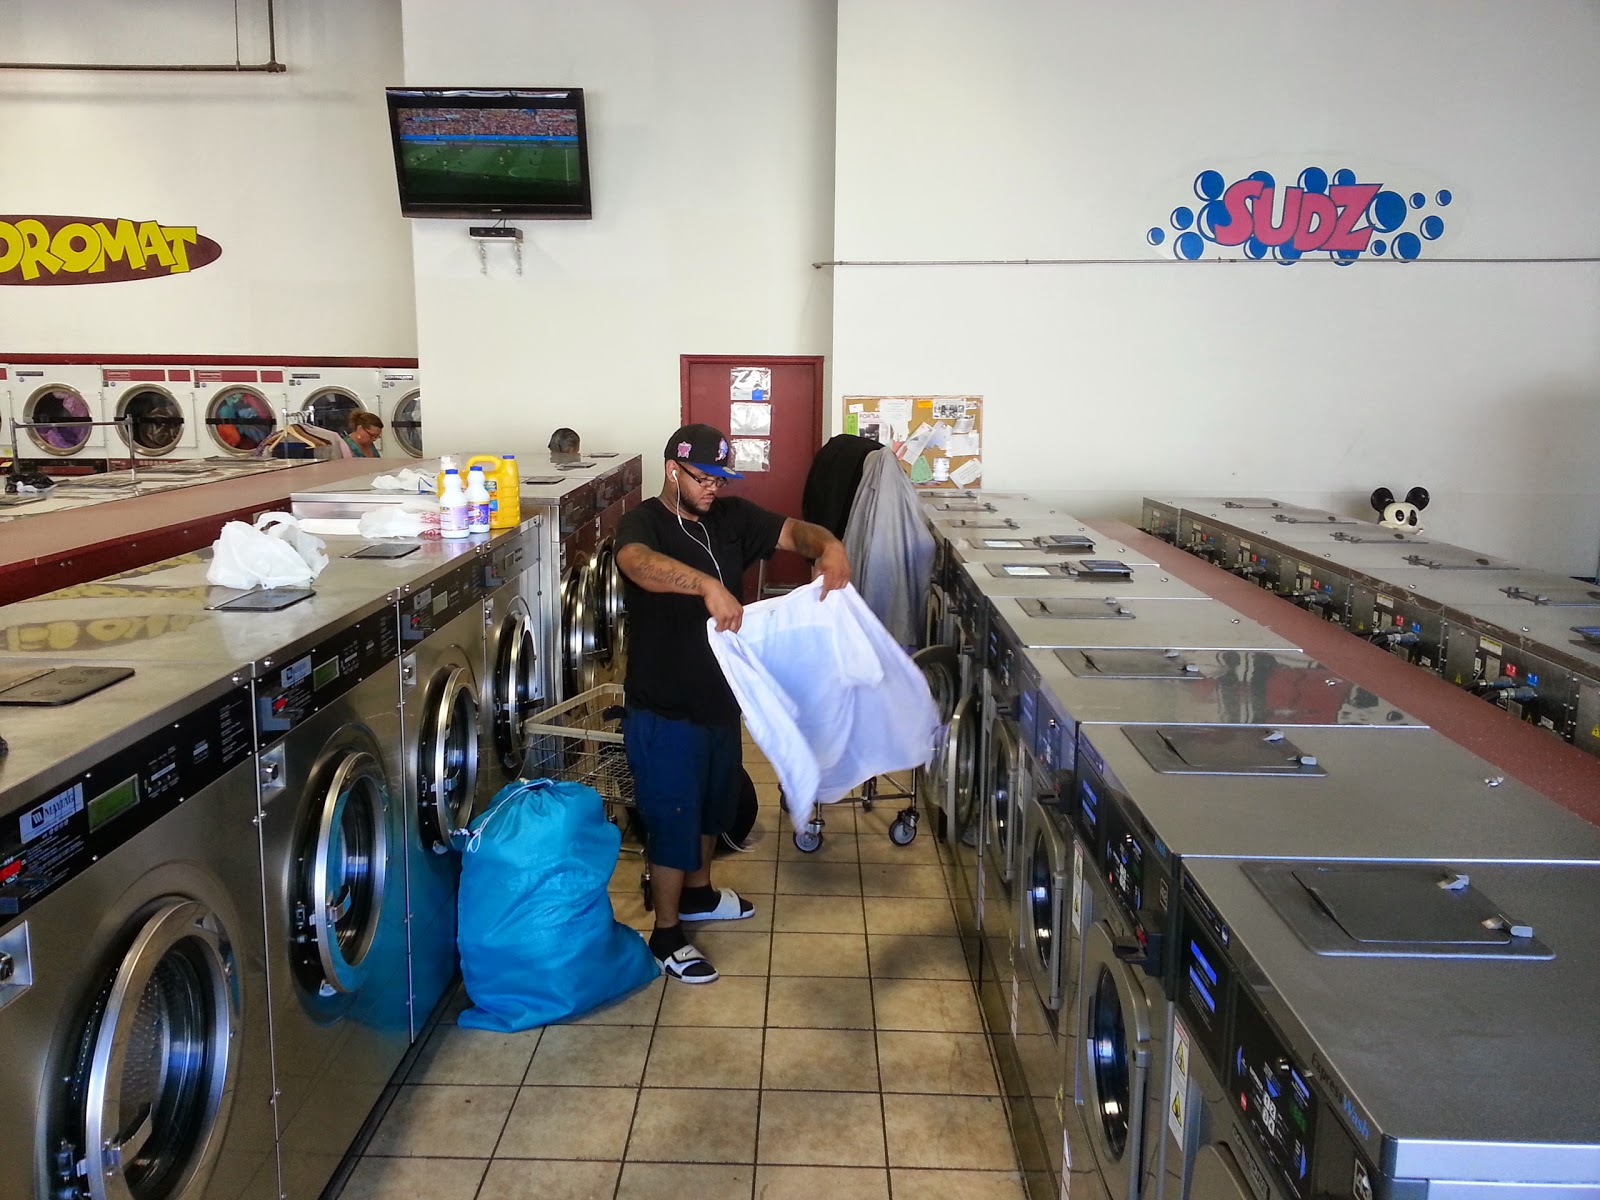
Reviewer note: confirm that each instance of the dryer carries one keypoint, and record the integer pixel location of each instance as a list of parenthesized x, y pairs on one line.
[(51, 405), (160, 403), (332, 394), (334, 839), (1151, 799), (441, 638), (134, 1017), (400, 406), (240, 407), (510, 670), (1322, 1062)]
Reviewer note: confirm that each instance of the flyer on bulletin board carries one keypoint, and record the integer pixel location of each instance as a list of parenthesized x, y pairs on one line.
[(938, 439)]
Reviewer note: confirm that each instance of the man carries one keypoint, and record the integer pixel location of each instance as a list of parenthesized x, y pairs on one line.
[(365, 429), (684, 554)]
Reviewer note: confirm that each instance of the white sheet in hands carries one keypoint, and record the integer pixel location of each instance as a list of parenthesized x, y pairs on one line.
[(828, 695)]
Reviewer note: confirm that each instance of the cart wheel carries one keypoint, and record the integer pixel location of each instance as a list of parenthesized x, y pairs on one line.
[(904, 829), (808, 841), (646, 893)]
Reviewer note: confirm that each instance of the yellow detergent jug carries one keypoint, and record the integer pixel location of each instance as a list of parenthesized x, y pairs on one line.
[(510, 508), (505, 489)]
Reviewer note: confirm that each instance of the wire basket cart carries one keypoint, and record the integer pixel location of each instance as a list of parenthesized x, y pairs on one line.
[(580, 741)]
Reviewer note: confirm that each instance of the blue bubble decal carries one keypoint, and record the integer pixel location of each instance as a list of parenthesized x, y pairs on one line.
[(1182, 217), (1209, 217), (1190, 246), (1208, 185), (1432, 227), (1443, 198), (1418, 199), (1286, 253), (1377, 245), (1314, 179), (1156, 236), (1387, 212), (1264, 177), (1344, 258), (1344, 177), (1407, 246), (1255, 248)]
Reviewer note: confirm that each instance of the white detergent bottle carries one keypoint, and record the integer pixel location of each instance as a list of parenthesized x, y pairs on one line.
[(452, 507), (477, 501)]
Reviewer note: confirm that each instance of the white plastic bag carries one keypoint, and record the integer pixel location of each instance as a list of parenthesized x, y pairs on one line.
[(405, 480), (274, 552), (392, 520)]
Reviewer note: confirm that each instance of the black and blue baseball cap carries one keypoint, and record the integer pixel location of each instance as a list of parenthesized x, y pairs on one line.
[(703, 447)]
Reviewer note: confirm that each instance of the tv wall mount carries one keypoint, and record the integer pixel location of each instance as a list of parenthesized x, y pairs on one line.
[(486, 235)]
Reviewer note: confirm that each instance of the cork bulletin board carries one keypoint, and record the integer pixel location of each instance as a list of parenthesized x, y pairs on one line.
[(938, 439)]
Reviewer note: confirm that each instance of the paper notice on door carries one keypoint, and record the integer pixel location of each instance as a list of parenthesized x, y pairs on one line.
[(968, 473), (750, 383), (751, 454), (748, 419), (916, 443), (962, 445), (1178, 1094)]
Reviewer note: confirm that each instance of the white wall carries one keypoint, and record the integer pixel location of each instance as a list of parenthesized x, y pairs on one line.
[(291, 174), (711, 150), (1034, 129)]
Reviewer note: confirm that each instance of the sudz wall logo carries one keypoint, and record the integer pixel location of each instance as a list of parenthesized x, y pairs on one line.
[(39, 251), (1338, 215)]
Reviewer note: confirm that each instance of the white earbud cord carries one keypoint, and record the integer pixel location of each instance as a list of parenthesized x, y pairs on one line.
[(677, 510)]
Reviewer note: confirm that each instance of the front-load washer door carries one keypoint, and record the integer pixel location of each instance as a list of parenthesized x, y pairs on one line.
[(1116, 1041), (940, 671), (332, 407), (579, 659), (1217, 1176), (447, 759), (1046, 880), (346, 877), (239, 419), (605, 594), (514, 684), (152, 1079), (155, 419), (59, 418), (961, 788), (1002, 804), (407, 424)]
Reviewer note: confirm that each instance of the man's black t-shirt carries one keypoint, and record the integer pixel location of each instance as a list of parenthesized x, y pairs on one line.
[(671, 669)]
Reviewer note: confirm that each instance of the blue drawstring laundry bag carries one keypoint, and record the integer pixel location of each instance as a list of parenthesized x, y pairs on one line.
[(537, 936)]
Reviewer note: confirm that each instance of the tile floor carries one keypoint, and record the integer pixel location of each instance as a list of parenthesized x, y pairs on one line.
[(841, 1055)]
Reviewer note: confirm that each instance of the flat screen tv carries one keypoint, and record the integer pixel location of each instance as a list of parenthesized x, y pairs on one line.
[(490, 152)]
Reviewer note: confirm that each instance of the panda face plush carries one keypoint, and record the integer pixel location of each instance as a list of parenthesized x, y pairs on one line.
[(1400, 514)]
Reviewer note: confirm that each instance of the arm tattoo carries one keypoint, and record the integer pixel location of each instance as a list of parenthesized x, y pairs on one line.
[(657, 572), (809, 540)]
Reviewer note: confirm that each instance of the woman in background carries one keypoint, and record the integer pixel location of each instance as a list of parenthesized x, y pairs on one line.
[(365, 429)]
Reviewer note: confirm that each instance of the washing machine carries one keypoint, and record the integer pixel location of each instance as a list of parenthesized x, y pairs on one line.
[(1063, 690), (240, 407), (334, 837), (1152, 799), (1359, 1030), (51, 405), (510, 668), (605, 584), (134, 1018), (441, 673), (160, 402), (332, 395)]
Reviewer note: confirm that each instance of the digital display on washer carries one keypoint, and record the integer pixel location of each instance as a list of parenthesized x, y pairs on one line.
[(113, 802), (1204, 982), (324, 673), (1125, 871), (1088, 809), (1274, 1099)]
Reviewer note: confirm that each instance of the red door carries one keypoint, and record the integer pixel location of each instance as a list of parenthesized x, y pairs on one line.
[(771, 409)]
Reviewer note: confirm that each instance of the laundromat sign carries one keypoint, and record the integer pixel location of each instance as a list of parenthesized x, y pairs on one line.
[(43, 251)]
